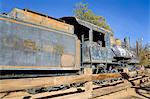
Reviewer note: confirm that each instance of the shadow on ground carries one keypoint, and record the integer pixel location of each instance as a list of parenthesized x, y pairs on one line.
[(132, 97), (143, 91)]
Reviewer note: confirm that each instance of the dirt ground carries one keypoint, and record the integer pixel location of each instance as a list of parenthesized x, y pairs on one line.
[(142, 92), (139, 92)]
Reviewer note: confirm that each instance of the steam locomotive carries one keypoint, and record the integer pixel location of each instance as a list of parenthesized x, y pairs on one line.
[(33, 44)]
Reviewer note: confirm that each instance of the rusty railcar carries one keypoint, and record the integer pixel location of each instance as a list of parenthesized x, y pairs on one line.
[(95, 43), (37, 44), (33, 41), (98, 49)]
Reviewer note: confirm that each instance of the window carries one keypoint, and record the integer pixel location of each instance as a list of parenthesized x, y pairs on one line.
[(99, 38)]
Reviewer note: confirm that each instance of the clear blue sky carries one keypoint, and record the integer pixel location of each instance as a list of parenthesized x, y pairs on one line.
[(126, 17)]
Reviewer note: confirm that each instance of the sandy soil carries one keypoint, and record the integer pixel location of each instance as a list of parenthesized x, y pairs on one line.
[(140, 92)]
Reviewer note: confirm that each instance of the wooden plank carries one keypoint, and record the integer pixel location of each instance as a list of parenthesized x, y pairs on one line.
[(135, 78), (81, 95), (46, 94), (137, 81), (14, 95), (108, 90), (21, 84), (105, 76), (98, 91)]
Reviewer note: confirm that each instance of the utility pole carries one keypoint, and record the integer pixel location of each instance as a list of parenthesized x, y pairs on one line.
[(137, 47)]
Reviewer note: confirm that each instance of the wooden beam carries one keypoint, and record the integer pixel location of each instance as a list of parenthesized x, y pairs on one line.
[(105, 76), (14, 95), (46, 94), (89, 84), (107, 90), (21, 84), (27, 83), (97, 91)]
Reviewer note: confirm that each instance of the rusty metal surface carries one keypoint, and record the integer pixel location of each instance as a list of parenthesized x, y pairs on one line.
[(40, 20), (22, 45), (98, 54)]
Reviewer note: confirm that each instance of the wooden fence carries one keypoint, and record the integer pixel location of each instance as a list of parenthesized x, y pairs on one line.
[(27, 83)]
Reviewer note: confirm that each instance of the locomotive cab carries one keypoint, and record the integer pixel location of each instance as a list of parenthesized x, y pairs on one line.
[(95, 42)]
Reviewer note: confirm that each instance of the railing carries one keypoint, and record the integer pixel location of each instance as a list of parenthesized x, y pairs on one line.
[(11, 85), (21, 84)]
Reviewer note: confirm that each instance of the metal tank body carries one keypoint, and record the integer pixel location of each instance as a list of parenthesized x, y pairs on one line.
[(27, 45)]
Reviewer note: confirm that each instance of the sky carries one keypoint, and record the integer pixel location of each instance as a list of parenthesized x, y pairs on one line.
[(127, 18)]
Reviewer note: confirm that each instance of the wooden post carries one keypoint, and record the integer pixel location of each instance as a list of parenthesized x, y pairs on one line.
[(88, 85), (126, 70)]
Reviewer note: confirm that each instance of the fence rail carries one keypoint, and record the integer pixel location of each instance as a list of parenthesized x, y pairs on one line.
[(21, 84), (11, 85)]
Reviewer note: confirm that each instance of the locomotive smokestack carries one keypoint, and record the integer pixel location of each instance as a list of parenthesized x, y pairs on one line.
[(127, 42)]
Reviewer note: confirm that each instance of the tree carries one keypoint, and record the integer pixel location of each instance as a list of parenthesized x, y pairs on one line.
[(82, 12), (144, 55)]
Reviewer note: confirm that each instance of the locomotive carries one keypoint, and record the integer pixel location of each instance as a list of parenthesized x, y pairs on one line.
[(33, 45)]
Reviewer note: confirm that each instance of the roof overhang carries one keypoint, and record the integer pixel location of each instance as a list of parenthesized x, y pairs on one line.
[(88, 25)]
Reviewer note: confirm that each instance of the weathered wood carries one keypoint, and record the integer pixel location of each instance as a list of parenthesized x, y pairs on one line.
[(97, 91), (21, 84), (89, 84), (105, 76), (135, 78), (46, 94), (107, 90), (14, 95), (126, 70)]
